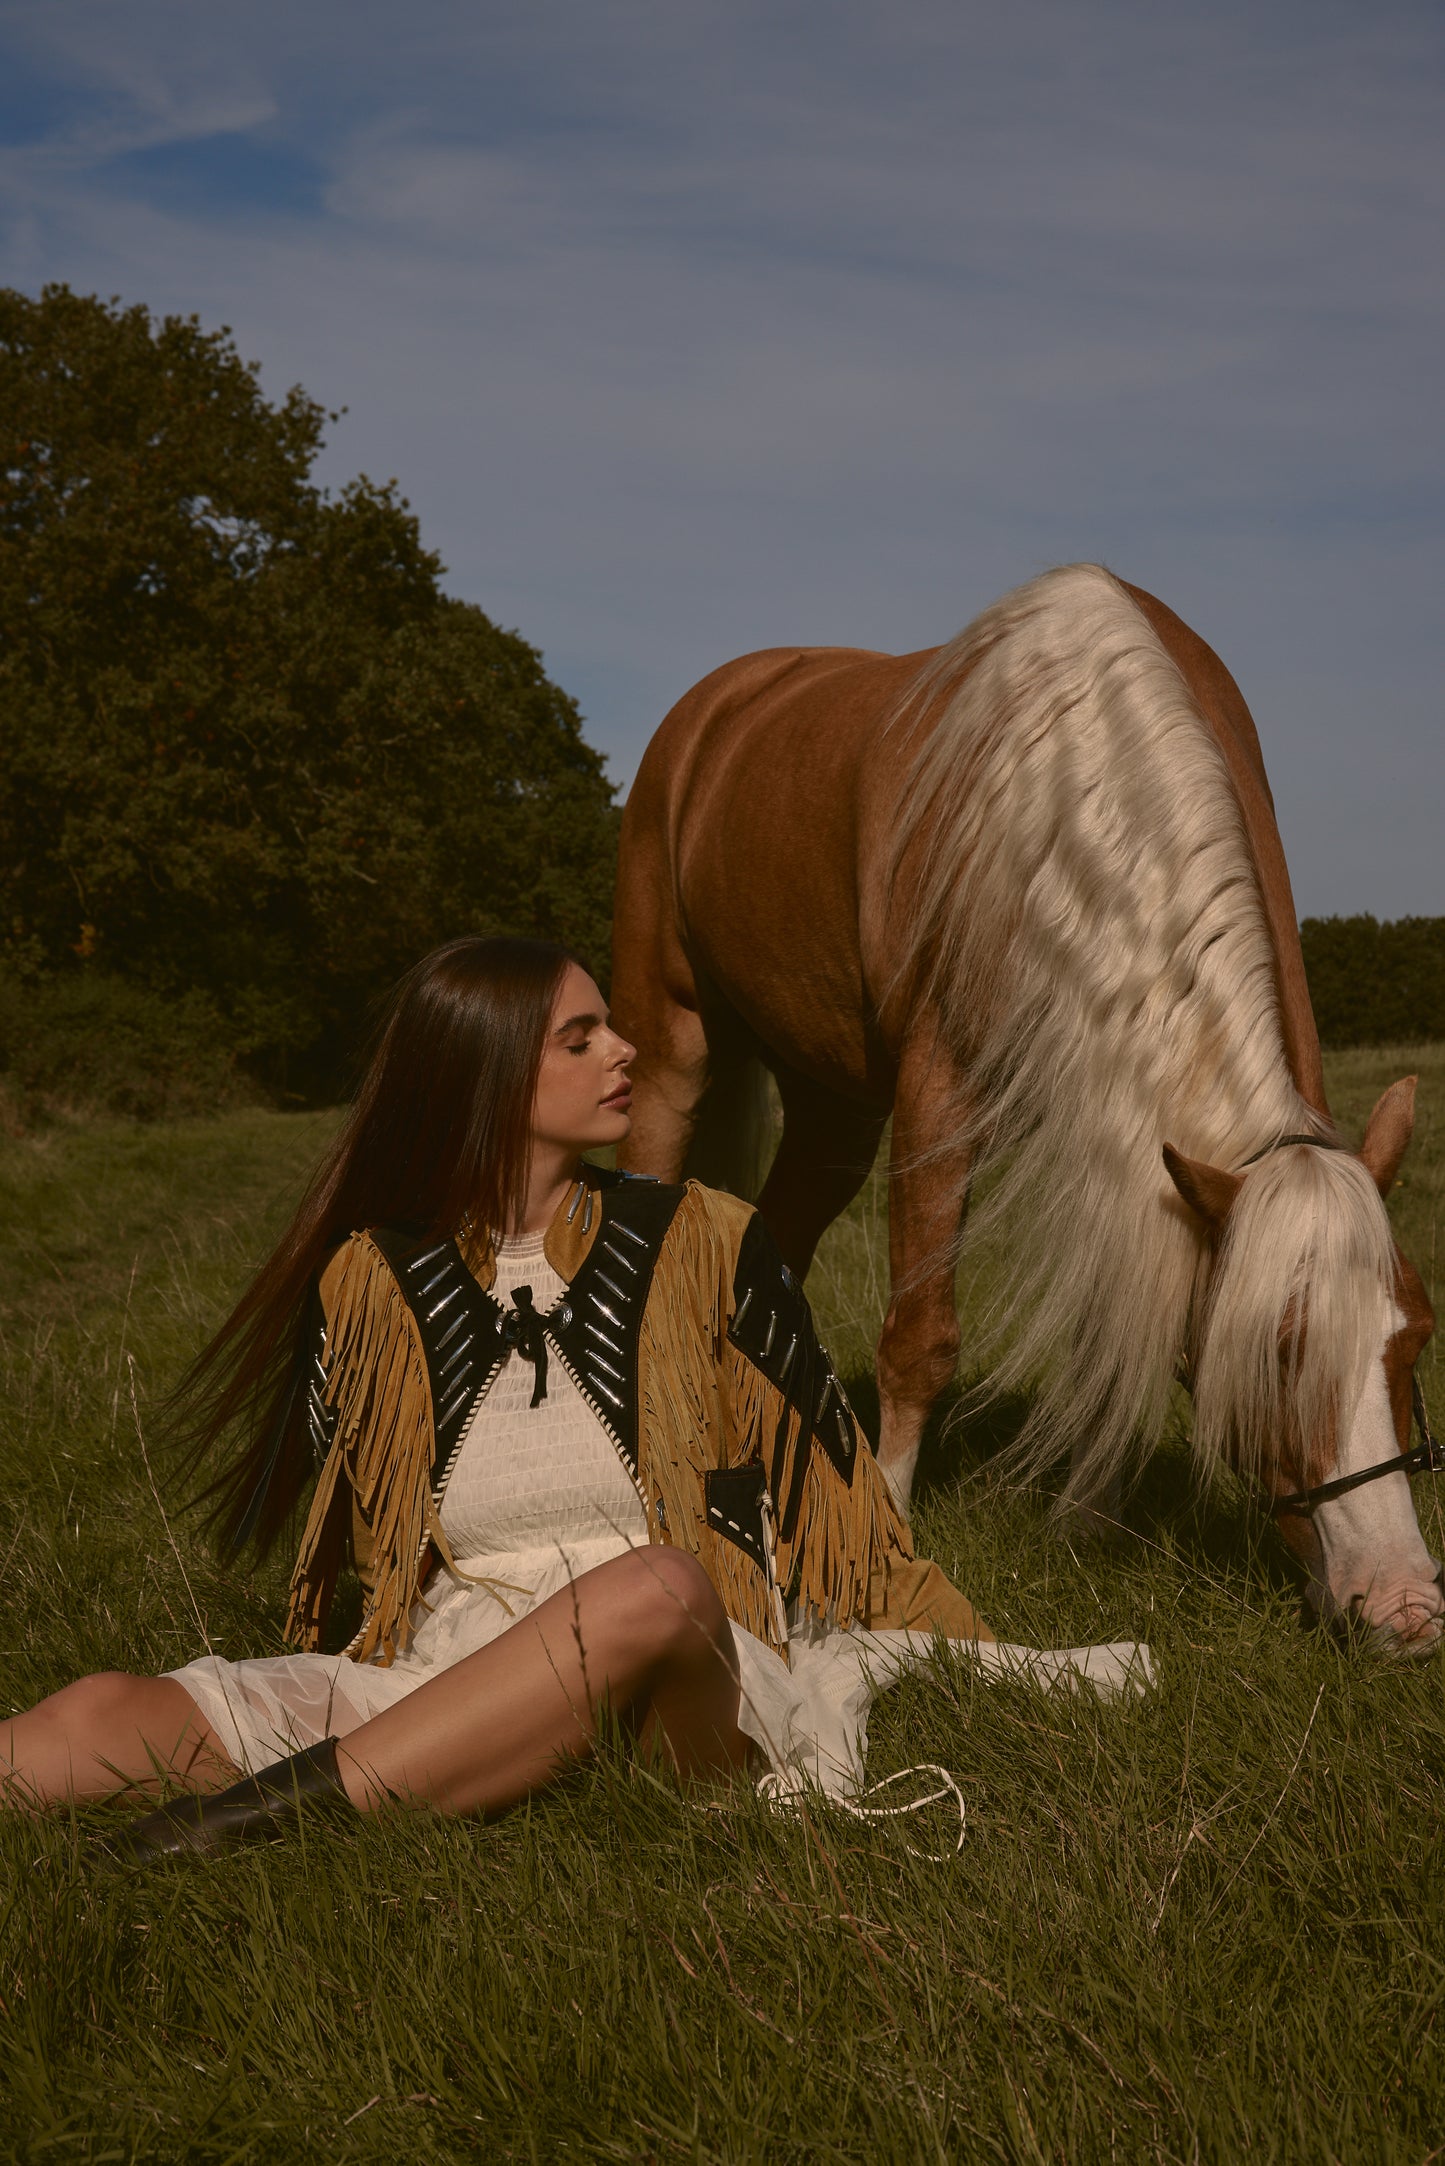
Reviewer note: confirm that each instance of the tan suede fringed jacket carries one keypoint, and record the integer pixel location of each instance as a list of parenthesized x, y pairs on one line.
[(694, 1346)]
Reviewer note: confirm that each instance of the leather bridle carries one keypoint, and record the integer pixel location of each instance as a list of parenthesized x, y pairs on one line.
[(1426, 1457)]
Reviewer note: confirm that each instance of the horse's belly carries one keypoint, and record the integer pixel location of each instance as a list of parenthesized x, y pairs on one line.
[(817, 1027)]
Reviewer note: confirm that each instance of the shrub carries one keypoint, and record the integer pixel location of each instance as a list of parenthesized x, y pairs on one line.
[(1376, 984), (95, 1045)]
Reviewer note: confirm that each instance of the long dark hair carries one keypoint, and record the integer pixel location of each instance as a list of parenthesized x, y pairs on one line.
[(440, 1127)]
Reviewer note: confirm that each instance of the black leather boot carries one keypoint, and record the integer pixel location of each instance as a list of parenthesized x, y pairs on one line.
[(258, 1809)]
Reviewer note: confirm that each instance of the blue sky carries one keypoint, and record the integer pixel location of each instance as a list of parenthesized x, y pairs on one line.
[(695, 328)]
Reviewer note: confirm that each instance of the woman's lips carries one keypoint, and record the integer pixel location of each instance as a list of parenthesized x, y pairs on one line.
[(620, 1099)]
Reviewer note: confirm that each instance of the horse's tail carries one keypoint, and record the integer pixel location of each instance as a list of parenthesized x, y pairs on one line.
[(737, 1130)]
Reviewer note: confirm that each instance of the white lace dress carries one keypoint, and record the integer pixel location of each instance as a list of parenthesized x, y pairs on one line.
[(539, 1495)]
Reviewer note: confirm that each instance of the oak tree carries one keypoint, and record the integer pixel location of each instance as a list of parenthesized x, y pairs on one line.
[(248, 747)]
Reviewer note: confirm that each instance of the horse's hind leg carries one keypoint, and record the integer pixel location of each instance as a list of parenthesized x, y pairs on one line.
[(927, 1200), (699, 1093), (700, 1102), (826, 1153), (655, 1001)]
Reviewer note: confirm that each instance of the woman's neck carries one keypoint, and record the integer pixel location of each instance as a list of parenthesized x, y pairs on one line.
[(552, 1174)]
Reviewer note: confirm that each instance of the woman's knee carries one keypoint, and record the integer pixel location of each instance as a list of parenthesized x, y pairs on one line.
[(97, 1702), (671, 1603)]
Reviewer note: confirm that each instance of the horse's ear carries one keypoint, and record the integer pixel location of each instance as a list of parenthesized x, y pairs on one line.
[(1388, 1132), (1208, 1190)]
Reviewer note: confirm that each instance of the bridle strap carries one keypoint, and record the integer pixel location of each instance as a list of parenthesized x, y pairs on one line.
[(1282, 1143), (1427, 1457)]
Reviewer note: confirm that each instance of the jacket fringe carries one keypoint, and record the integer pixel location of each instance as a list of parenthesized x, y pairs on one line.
[(377, 1382), (682, 1352), (323, 1548), (848, 1536)]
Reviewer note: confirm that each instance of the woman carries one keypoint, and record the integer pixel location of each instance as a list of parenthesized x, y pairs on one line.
[(575, 1431)]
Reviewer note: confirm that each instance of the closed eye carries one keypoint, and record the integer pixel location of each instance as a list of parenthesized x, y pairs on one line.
[(586, 1024)]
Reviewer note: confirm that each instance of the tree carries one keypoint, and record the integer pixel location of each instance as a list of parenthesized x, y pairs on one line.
[(247, 745)]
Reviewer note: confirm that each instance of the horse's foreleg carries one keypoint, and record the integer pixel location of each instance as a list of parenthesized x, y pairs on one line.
[(927, 1200), (826, 1153)]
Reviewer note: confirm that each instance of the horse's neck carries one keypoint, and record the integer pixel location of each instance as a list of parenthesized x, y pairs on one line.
[(1222, 704)]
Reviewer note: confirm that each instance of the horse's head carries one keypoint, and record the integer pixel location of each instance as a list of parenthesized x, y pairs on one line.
[(1308, 1328)]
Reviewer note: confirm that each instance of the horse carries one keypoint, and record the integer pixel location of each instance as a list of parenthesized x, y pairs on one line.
[(1026, 894)]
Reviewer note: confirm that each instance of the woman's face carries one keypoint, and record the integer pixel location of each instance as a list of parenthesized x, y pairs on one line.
[(583, 1094)]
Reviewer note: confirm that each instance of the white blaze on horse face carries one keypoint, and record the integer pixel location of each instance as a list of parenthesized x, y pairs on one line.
[(1374, 1565)]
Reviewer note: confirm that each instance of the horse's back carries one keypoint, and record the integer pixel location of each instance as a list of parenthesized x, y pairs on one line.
[(761, 823), (776, 701)]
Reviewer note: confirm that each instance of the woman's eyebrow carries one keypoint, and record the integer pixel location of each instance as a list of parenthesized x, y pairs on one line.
[(579, 1022)]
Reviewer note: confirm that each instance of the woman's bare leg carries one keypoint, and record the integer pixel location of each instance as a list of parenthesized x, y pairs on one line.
[(643, 1636), (106, 1734)]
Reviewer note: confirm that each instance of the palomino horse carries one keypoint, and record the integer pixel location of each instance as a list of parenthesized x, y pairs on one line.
[(1026, 893)]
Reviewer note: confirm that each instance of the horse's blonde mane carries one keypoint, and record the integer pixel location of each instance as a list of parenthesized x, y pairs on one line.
[(1304, 1221), (1081, 906)]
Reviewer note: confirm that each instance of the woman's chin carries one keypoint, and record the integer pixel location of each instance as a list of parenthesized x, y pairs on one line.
[(613, 1125)]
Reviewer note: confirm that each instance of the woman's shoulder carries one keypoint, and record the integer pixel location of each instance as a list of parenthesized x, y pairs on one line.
[(354, 1260), (726, 1215), (667, 1209)]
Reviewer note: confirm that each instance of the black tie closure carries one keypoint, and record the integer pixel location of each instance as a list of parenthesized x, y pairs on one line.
[(523, 1333)]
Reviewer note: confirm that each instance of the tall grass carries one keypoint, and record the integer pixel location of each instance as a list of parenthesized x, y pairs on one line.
[(1203, 1926)]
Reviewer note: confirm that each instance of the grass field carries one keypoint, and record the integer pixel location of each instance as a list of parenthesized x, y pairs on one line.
[(1208, 1925)]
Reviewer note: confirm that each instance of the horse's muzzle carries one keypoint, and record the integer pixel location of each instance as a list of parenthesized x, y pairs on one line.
[(1409, 1630)]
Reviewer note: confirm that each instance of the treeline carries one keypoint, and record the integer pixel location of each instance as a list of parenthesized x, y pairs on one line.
[(1373, 983)]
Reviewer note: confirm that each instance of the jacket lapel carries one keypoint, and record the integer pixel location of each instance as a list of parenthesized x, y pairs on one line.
[(595, 1326), (461, 1334)]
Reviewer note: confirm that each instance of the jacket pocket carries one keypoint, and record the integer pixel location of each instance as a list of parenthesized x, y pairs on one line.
[(738, 1514)]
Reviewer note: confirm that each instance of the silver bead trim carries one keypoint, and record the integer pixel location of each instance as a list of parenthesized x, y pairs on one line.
[(458, 1323)]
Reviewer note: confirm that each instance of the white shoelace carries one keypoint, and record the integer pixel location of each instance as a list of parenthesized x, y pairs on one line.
[(784, 1792)]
